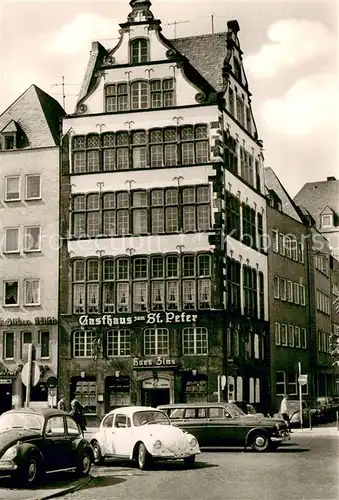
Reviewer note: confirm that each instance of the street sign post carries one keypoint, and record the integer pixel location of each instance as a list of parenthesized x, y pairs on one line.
[(30, 374), (302, 379), (35, 374), (52, 382)]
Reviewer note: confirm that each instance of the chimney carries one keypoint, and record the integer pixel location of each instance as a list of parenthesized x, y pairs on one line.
[(331, 178)]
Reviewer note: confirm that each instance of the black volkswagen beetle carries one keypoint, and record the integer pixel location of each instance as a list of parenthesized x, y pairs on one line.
[(35, 442)]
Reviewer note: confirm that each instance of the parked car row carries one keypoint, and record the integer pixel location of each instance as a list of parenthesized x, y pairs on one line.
[(314, 411), (326, 408), (225, 424), (34, 443)]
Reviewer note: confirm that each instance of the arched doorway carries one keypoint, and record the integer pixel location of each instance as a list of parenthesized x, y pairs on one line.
[(155, 391)]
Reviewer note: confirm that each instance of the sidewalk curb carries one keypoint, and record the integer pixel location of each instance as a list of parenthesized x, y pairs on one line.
[(319, 431), (81, 483)]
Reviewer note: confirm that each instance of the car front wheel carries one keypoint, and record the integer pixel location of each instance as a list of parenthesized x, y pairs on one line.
[(189, 461), (84, 463), (144, 459), (31, 472), (260, 442)]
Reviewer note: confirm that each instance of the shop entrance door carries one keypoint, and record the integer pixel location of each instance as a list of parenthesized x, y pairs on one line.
[(5, 395), (155, 392), (155, 397)]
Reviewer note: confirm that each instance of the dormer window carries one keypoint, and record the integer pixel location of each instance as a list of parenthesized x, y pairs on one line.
[(326, 221), (9, 141), (9, 136), (139, 51)]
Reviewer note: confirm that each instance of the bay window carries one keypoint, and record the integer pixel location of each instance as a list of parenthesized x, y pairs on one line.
[(83, 342), (139, 51), (142, 283), (31, 292), (194, 341), (139, 95), (156, 342), (118, 343)]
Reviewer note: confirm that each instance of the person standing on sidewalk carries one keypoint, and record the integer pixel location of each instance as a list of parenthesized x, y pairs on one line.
[(77, 412), (62, 404), (284, 411)]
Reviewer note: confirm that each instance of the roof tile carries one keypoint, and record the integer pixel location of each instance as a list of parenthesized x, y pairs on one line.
[(37, 114), (206, 53), (316, 196)]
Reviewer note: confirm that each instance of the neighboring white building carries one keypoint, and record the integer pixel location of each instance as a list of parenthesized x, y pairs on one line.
[(163, 284), (29, 229)]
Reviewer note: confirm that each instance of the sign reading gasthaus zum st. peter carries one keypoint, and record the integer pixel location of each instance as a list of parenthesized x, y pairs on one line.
[(149, 319)]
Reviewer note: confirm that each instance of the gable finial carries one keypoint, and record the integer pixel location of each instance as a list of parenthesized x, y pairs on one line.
[(140, 11)]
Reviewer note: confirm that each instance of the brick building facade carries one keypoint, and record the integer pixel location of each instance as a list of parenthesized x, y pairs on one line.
[(301, 271), (288, 305)]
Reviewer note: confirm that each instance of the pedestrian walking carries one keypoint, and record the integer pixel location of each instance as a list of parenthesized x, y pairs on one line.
[(77, 412), (284, 411), (62, 404)]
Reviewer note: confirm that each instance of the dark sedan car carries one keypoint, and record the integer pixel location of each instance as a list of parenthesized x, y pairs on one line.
[(35, 442), (326, 408), (224, 424)]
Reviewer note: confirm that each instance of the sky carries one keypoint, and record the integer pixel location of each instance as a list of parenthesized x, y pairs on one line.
[(290, 58)]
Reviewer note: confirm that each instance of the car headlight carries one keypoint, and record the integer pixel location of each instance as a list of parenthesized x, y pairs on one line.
[(10, 453), (193, 442), (157, 444), (295, 418)]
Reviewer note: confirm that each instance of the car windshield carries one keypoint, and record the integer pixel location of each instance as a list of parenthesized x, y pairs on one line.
[(234, 410), (150, 417), (323, 401), (21, 421), (251, 410)]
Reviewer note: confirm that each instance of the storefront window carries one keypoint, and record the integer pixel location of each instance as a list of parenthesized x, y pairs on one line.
[(86, 394), (117, 392), (196, 390), (8, 345), (44, 341)]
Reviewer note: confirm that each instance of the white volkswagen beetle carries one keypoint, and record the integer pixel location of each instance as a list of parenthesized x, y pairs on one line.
[(143, 434)]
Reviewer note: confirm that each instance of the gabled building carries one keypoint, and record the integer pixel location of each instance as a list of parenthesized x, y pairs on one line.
[(321, 200), (163, 290), (29, 229)]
